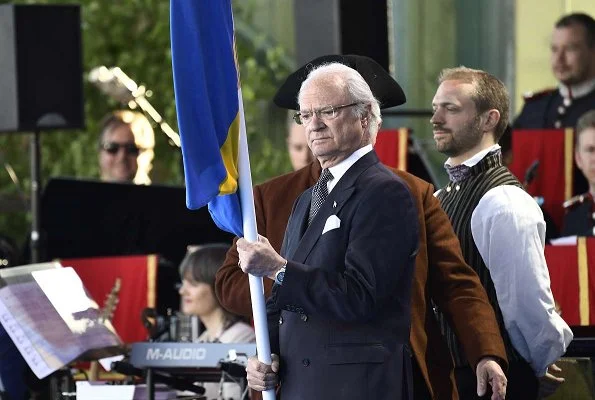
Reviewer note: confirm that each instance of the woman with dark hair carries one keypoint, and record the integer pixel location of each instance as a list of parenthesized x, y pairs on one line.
[(197, 271)]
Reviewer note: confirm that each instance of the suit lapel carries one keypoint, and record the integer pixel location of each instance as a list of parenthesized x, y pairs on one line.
[(298, 223), (332, 205)]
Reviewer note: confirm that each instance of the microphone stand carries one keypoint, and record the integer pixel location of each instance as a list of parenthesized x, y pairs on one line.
[(35, 161)]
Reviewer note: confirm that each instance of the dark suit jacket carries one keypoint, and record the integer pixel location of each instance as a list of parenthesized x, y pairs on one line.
[(342, 315), (440, 272), (580, 216), (541, 111)]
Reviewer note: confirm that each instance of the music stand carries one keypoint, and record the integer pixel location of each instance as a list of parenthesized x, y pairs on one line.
[(51, 318), (84, 218)]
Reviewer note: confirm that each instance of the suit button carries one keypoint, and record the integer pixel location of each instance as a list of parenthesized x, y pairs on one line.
[(304, 318), (280, 320), (305, 362)]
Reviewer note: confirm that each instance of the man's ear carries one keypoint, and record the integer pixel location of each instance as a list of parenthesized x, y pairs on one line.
[(492, 119), (578, 160)]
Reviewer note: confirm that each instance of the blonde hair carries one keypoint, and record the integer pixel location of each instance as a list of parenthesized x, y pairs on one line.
[(144, 138)]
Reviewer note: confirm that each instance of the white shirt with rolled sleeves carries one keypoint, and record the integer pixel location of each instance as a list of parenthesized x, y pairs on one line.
[(509, 232)]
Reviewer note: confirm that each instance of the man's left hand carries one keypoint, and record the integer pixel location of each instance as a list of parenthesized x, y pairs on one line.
[(489, 371), (259, 258)]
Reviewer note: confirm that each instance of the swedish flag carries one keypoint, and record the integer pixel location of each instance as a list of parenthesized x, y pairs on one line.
[(209, 106)]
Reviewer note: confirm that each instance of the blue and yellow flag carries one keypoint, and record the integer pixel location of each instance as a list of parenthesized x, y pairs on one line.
[(208, 101)]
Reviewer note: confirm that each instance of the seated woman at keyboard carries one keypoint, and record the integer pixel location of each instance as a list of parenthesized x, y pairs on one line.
[(197, 271)]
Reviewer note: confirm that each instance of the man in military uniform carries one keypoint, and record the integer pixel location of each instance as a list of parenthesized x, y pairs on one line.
[(580, 210), (573, 65)]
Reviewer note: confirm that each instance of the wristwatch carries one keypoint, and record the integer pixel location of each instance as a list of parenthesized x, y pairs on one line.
[(279, 275)]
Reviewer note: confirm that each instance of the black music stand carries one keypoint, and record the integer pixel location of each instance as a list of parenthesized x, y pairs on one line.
[(83, 218)]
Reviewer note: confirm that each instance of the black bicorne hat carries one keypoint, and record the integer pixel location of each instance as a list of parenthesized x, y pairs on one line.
[(388, 92)]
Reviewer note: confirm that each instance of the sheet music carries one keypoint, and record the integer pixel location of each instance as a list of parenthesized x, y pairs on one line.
[(25, 343), (52, 321)]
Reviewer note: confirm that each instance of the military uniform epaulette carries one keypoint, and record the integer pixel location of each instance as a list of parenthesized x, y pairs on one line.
[(530, 96), (576, 200)]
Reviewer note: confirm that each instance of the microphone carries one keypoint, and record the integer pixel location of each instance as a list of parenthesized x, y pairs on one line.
[(531, 173)]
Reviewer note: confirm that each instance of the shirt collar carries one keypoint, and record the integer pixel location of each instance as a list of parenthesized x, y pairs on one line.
[(340, 169), (578, 90), (470, 162)]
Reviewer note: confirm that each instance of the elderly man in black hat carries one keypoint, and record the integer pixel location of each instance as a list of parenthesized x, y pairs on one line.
[(440, 272)]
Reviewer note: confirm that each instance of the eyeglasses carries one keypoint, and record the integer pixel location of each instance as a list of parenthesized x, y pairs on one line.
[(325, 113), (131, 149)]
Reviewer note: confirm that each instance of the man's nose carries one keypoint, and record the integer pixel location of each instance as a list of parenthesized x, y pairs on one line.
[(559, 56), (316, 123), (435, 118), (121, 154)]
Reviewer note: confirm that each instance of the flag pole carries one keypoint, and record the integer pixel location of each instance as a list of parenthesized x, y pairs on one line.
[(251, 234)]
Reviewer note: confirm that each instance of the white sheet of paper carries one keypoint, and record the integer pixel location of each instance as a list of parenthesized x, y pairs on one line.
[(100, 391), (564, 241)]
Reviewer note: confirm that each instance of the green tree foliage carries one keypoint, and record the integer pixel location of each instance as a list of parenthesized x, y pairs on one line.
[(134, 35)]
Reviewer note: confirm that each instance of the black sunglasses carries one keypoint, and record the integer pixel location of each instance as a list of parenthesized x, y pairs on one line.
[(131, 149)]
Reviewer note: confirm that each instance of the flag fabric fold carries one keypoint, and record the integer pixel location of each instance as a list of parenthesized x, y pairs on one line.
[(208, 96)]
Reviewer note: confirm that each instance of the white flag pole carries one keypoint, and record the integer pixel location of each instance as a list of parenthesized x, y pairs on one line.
[(251, 234)]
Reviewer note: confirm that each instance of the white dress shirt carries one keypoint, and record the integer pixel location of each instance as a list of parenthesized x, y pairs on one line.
[(509, 232), (341, 168)]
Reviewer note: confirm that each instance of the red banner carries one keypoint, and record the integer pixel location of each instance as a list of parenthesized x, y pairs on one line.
[(391, 147), (572, 275), (137, 291), (553, 149)]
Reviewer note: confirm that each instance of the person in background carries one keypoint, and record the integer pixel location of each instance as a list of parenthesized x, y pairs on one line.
[(197, 292), (197, 272), (580, 210), (126, 147), (501, 231), (573, 65), (297, 145)]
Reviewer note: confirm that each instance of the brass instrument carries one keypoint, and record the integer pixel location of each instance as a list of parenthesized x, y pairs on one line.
[(116, 84)]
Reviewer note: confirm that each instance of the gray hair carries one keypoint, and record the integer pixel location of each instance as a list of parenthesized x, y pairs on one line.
[(586, 121), (358, 90)]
